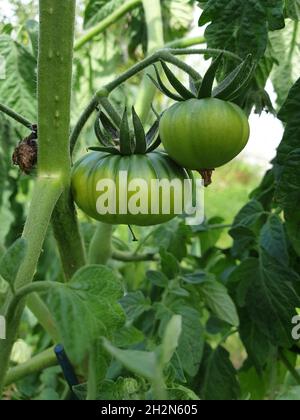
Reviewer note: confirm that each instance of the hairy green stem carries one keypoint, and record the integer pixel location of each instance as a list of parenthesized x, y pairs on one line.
[(17, 117), (186, 42), (155, 32), (43, 315), (56, 36), (100, 249), (92, 375), (23, 292), (36, 364)]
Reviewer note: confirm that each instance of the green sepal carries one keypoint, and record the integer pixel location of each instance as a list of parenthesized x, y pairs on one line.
[(109, 126), (205, 90), (243, 86), (154, 145), (125, 136), (140, 135), (103, 138), (152, 133), (234, 80), (110, 150), (160, 86), (195, 85), (177, 85)]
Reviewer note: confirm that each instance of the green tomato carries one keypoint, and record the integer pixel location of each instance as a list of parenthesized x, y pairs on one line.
[(99, 166), (204, 134)]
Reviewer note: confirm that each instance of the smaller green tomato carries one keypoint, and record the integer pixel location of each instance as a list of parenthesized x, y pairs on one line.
[(204, 133), (100, 166)]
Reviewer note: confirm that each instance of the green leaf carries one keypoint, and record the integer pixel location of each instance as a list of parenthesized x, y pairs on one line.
[(191, 341), (97, 10), (177, 85), (169, 264), (140, 135), (231, 85), (140, 362), (87, 308), (11, 261), (292, 8), (135, 304), (246, 227), (157, 278), (181, 393), (273, 239), (220, 303), (287, 162), (171, 339), (217, 376), (198, 277), (128, 336), (284, 45), (292, 222), (208, 80), (241, 26), (268, 289), (258, 346), (125, 136), (18, 89)]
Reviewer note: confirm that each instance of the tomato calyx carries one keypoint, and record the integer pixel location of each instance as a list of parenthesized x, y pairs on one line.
[(206, 176), (125, 140), (230, 89)]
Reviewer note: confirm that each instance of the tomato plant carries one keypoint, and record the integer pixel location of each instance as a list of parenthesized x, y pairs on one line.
[(185, 311)]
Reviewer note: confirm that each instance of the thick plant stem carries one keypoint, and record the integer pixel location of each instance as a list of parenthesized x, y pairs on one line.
[(105, 23), (100, 250), (39, 362), (56, 35), (67, 235), (155, 32)]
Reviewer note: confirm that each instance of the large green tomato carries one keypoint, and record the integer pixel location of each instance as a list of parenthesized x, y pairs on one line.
[(204, 134), (100, 166)]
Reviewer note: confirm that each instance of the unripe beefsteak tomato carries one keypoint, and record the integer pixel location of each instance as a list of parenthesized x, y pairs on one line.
[(204, 134), (97, 166)]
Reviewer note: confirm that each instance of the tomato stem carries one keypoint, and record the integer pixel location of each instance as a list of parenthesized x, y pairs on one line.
[(207, 176), (39, 362), (17, 117)]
